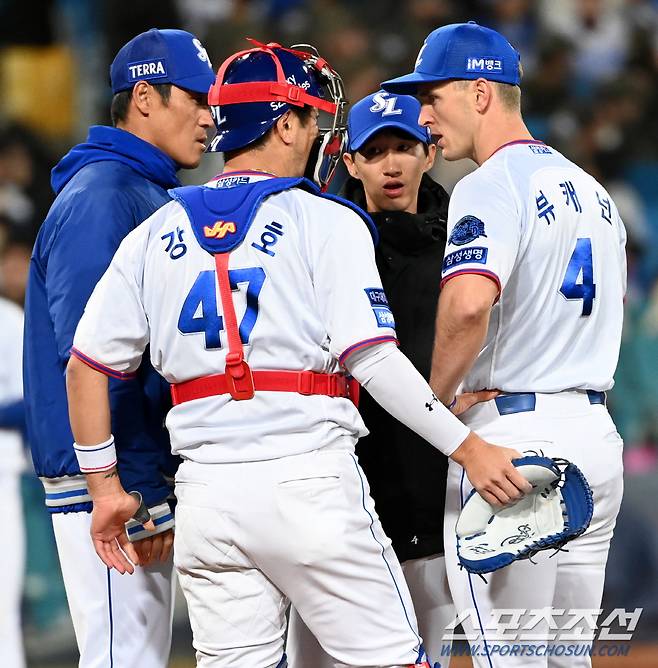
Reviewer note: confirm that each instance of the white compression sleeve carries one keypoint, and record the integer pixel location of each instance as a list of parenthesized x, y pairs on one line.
[(395, 384)]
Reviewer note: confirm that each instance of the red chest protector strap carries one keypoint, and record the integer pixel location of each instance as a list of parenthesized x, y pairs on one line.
[(240, 381)]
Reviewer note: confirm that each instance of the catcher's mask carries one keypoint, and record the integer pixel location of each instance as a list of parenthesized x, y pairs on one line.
[(255, 87)]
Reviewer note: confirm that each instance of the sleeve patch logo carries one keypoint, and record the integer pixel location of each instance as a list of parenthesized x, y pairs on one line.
[(377, 297), (466, 230), (380, 308), (384, 317), (477, 254)]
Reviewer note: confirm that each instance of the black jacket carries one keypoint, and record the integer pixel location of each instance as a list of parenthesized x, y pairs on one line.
[(407, 475)]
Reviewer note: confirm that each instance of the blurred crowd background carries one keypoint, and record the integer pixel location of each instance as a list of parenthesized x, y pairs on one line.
[(590, 89)]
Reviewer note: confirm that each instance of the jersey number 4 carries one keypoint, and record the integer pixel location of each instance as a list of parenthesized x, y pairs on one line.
[(200, 314), (579, 265)]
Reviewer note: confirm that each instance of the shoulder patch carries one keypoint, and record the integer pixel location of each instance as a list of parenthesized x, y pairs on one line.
[(380, 307), (466, 230)]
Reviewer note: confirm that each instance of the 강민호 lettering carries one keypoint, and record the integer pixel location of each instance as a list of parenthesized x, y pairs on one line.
[(269, 237)]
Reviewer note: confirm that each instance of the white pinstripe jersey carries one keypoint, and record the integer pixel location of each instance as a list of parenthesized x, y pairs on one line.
[(306, 293), (549, 234)]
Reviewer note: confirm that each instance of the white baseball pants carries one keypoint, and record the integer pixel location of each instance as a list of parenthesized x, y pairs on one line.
[(120, 621), (253, 537), (563, 425), (428, 584), (12, 567)]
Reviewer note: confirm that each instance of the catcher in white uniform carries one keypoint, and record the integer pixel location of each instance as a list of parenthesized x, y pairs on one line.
[(254, 293), (532, 302)]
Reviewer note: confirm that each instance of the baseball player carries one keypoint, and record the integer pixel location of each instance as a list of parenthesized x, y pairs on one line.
[(12, 464), (388, 156), (533, 283), (271, 292), (105, 188)]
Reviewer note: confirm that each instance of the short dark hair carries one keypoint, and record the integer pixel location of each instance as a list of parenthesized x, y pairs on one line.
[(121, 101), (303, 113)]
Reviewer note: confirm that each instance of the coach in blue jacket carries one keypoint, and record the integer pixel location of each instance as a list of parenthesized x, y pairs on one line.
[(105, 188)]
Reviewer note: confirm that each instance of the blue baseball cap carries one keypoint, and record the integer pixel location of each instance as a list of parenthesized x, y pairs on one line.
[(382, 110), (461, 51), (162, 56)]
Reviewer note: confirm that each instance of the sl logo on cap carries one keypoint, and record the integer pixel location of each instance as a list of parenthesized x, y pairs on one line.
[(385, 104), (202, 54), (147, 69), (219, 230)]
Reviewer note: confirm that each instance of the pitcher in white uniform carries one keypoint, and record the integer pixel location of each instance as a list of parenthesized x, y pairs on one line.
[(534, 277), (255, 293)]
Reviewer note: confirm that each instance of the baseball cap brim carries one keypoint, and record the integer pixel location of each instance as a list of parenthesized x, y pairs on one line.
[(408, 84), (356, 143), (197, 84)]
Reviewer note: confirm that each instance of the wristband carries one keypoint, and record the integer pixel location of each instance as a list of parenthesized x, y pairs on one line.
[(142, 514), (96, 458), (162, 517)]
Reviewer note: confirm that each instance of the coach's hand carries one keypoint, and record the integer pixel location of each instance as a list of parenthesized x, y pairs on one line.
[(108, 531), (467, 400), (491, 472), (154, 548)]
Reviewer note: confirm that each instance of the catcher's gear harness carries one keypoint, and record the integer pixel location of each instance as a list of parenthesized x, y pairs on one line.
[(558, 509)]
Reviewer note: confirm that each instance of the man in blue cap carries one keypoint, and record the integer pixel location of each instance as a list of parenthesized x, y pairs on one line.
[(105, 187), (531, 305), (388, 157)]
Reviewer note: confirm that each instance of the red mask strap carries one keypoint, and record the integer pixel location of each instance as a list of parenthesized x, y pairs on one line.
[(214, 92), (269, 91), (264, 91)]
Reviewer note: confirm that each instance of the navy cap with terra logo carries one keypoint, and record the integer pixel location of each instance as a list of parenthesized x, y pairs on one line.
[(162, 56), (461, 51)]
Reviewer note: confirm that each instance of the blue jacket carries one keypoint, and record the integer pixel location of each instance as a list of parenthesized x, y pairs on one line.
[(105, 188)]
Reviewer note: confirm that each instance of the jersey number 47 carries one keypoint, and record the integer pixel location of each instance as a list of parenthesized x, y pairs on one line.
[(199, 313)]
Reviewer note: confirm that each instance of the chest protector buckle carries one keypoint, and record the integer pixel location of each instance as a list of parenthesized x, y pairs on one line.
[(239, 378)]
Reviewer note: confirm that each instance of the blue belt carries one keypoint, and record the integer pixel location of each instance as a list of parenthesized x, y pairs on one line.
[(524, 402)]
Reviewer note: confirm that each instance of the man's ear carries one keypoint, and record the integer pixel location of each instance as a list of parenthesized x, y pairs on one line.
[(483, 91), (431, 156), (285, 127), (351, 167), (142, 97)]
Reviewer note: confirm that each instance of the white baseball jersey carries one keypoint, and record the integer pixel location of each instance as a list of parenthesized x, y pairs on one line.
[(12, 459), (306, 293), (550, 236)]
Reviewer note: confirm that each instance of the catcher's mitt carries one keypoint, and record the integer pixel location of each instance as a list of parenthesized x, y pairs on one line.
[(558, 509)]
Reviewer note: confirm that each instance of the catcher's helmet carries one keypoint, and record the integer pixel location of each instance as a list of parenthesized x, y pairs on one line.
[(257, 86)]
